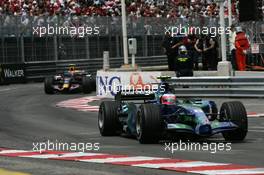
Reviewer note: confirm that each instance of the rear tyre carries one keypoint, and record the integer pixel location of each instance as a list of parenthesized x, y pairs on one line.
[(48, 85), (236, 113), (149, 125), (87, 85), (93, 84), (108, 121)]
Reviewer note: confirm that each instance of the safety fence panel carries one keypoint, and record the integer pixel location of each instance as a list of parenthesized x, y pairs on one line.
[(10, 50), (60, 48), (38, 49), (20, 39)]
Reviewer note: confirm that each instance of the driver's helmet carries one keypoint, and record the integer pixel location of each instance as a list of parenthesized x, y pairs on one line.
[(72, 68), (168, 99), (182, 50)]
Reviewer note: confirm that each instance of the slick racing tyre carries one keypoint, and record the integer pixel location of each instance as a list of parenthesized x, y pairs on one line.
[(236, 113), (93, 81), (48, 85), (149, 125), (87, 85), (108, 121)]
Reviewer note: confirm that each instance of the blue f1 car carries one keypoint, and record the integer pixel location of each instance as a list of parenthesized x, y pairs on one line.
[(149, 117), (70, 81)]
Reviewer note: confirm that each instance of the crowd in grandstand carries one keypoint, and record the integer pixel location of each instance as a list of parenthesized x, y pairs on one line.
[(137, 8), (19, 16)]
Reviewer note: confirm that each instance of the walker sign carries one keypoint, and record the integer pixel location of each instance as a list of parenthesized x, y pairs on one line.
[(12, 73), (109, 83)]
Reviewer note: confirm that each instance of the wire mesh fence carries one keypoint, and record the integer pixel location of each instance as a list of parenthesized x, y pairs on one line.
[(59, 38)]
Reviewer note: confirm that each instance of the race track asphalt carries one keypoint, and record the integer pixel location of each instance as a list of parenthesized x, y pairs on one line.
[(27, 116)]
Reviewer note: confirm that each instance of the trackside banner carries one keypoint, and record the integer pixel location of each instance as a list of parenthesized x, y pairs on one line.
[(12, 73), (109, 83)]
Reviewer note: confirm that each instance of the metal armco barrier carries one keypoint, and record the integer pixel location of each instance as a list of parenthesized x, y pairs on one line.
[(37, 71), (12, 73), (219, 86), (242, 86)]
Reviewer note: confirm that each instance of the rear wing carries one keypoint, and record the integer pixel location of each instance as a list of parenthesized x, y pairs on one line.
[(126, 96)]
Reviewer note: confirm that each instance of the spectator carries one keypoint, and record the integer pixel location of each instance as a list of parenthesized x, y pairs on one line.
[(177, 42), (212, 49), (149, 8), (241, 44), (183, 63), (205, 45), (192, 52), (167, 44), (232, 38)]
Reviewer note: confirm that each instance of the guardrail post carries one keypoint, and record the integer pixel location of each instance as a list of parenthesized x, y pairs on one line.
[(106, 60), (224, 67)]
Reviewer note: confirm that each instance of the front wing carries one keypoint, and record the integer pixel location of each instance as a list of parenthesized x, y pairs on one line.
[(215, 127)]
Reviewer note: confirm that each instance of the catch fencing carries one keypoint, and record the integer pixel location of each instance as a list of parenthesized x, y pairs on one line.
[(20, 40), (35, 49)]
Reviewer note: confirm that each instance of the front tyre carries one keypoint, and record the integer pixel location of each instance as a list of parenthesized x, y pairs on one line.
[(149, 125), (48, 85), (236, 113), (108, 121)]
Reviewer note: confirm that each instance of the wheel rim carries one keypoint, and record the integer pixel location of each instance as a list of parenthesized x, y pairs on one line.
[(101, 119), (138, 125)]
